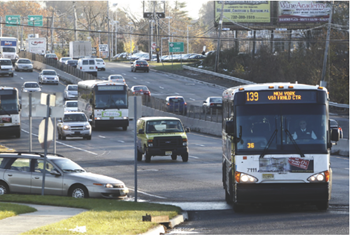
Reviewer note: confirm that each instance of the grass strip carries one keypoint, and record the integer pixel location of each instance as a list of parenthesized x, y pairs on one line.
[(9, 210), (104, 216)]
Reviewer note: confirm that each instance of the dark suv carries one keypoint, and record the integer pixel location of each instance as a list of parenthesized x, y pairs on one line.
[(176, 104)]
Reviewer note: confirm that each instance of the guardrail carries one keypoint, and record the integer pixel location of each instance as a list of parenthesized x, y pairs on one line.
[(54, 63)]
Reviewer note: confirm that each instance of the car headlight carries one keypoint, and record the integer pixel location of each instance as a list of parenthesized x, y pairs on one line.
[(319, 177), (109, 185), (25, 90), (87, 127), (65, 127), (184, 142), (244, 178), (150, 143)]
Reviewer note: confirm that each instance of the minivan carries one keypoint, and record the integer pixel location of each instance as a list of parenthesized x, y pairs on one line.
[(87, 65)]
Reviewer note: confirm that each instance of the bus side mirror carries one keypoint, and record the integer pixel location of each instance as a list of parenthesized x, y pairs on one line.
[(141, 131), (230, 127), (335, 135)]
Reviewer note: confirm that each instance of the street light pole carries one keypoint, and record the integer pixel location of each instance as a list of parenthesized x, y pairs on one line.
[(108, 35), (187, 37), (169, 17), (99, 42)]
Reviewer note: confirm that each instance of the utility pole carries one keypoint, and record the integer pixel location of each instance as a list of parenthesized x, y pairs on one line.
[(75, 22), (108, 34), (52, 23), (47, 32), (322, 82), (218, 47), (0, 26)]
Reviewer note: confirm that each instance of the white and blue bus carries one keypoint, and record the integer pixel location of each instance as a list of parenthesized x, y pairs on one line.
[(104, 103), (276, 145), (10, 121)]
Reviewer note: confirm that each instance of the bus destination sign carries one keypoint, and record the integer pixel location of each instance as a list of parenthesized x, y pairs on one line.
[(110, 87), (288, 96)]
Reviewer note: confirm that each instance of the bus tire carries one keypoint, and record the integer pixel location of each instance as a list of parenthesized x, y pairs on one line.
[(238, 208), (147, 157), (229, 192), (184, 157), (322, 206)]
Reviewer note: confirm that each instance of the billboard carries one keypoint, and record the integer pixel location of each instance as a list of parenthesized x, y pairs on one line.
[(243, 11), (303, 12)]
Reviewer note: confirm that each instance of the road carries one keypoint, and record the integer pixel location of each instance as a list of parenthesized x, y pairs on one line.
[(196, 183)]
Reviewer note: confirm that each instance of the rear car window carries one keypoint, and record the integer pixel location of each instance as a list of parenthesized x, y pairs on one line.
[(141, 62), (91, 62), (176, 100), (85, 62)]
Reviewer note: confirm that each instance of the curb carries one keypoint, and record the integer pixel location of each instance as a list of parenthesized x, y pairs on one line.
[(160, 229)]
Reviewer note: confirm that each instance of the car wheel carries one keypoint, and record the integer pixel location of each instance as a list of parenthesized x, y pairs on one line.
[(12, 75), (139, 156), (59, 136), (147, 71), (79, 191), (147, 157), (132, 70), (31, 70), (89, 137), (184, 157), (4, 188), (173, 157)]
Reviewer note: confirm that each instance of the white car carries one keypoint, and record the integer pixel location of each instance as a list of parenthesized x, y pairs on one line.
[(70, 106), (24, 64), (87, 65), (116, 78), (100, 63), (70, 92), (74, 124), (48, 76), (31, 86), (64, 59)]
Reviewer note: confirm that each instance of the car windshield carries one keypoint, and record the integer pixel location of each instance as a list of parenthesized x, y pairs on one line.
[(24, 62), (216, 100), (72, 62), (71, 104), (164, 126), (8, 49), (175, 100), (143, 88), (73, 88), (49, 72), (67, 165), (5, 62), (74, 118), (31, 85)]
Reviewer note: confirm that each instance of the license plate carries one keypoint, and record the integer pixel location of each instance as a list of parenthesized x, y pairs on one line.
[(268, 176), (168, 153), (76, 132), (91, 67), (111, 118)]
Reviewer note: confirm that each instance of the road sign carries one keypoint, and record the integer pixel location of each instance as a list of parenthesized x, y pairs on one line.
[(103, 47), (154, 45), (37, 19), (41, 134), (176, 47), (12, 20)]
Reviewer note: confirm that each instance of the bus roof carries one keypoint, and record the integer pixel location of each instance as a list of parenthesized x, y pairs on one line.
[(92, 83), (7, 88)]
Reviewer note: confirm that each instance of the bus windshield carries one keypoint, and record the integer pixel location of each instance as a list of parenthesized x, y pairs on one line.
[(111, 100), (8, 104), (287, 128)]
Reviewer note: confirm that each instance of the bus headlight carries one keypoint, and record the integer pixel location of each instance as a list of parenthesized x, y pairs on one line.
[(244, 178), (319, 177)]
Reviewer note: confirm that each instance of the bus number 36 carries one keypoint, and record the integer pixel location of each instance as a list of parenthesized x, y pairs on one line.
[(252, 96), (250, 145)]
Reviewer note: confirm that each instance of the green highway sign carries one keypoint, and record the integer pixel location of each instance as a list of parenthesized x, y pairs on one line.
[(12, 20), (176, 47), (37, 19)]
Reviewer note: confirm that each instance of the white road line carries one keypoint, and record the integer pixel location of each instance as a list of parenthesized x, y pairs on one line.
[(134, 78), (161, 87), (147, 194), (192, 99), (194, 157), (21, 77), (100, 136), (120, 141), (80, 149)]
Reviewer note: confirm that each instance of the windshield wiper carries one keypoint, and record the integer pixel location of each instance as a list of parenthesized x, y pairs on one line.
[(268, 144), (3, 109), (296, 146), (78, 170)]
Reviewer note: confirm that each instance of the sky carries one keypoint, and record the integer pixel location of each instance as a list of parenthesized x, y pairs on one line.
[(135, 6)]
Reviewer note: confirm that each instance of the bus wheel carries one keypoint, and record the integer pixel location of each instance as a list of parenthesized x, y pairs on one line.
[(238, 208), (184, 157), (139, 156), (322, 206), (148, 157)]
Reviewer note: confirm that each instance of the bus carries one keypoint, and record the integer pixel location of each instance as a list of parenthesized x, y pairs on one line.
[(104, 103), (10, 122), (266, 159)]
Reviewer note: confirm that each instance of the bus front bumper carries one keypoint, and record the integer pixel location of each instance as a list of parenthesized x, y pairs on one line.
[(113, 123), (282, 193)]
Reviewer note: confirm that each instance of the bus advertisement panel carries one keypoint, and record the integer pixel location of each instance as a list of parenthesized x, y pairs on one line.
[(276, 145), (104, 103)]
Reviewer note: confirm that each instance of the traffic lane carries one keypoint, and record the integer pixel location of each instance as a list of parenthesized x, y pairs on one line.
[(162, 84), (265, 220), (340, 186)]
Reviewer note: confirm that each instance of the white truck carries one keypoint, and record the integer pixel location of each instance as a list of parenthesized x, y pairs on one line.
[(36, 45), (80, 49), (8, 48)]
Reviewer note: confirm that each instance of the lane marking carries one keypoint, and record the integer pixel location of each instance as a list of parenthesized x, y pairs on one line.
[(80, 149), (161, 87), (192, 99), (22, 78), (100, 136), (148, 194), (194, 157)]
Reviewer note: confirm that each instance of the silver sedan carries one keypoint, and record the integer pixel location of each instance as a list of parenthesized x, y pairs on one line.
[(24, 64), (48, 77), (23, 173)]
